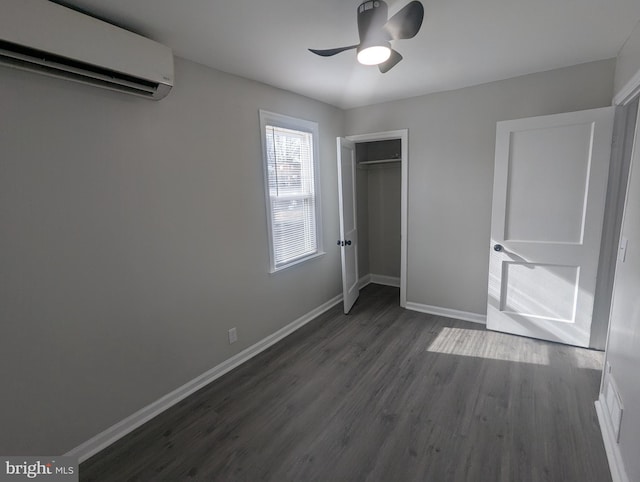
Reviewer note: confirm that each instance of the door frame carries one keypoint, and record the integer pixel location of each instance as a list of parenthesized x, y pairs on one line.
[(627, 95), (403, 135)]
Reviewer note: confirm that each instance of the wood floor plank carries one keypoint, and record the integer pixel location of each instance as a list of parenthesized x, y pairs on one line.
[(377, 395)]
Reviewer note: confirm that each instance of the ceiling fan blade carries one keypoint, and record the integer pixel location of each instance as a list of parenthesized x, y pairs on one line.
[(330, 52), (407, 22), (388, 64)]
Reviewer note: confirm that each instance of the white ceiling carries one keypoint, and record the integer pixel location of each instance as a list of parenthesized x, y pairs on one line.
[(461, 43)]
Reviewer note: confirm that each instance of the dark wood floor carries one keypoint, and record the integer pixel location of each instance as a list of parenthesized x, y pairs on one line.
[(382, 394)]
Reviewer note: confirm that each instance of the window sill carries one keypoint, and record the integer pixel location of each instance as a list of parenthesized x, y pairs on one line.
[(297, 262)]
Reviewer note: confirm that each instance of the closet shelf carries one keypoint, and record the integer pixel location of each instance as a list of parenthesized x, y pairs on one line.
[(379, 161)]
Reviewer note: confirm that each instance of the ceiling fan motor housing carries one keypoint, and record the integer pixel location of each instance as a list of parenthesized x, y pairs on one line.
[(372, 15)]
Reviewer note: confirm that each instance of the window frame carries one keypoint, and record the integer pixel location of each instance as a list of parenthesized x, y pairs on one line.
[(287, 122)]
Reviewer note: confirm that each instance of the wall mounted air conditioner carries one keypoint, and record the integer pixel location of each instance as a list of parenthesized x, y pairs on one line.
[(44, 37)]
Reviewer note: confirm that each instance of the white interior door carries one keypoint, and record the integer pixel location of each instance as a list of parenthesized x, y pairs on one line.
[(550, 183), (348, 241)]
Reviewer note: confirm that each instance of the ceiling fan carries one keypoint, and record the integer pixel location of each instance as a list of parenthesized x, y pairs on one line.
[(376, 33)]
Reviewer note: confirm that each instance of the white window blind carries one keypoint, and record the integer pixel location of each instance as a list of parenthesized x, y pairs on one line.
[(291, 189)]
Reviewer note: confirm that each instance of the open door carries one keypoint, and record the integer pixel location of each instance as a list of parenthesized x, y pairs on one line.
[(348, 241), (549, 191)]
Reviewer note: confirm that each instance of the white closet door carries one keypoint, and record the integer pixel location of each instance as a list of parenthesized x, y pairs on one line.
[(348, 221)]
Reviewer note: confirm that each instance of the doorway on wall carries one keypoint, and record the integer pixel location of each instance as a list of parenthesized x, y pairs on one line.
[(372, 178)]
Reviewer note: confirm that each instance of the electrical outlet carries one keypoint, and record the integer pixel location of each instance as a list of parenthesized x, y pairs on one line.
[(233, 336)]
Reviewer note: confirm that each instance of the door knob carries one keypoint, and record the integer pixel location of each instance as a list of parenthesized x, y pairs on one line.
[(497, 247), (348, 242)]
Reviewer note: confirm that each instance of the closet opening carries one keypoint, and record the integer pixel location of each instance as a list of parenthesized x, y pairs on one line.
[(381, 207)]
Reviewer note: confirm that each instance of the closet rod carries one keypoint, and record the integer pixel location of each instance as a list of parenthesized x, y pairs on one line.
[(380, 161)]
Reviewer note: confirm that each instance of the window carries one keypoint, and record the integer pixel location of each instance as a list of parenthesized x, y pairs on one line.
[(290, 156)]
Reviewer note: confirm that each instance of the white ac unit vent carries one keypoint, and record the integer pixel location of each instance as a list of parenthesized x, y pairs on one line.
[(47, 38), (614, 406)]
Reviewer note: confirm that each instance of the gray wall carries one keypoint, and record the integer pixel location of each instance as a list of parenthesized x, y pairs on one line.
[(384, 219), (451, 156), (623, 348), (133, 237), (628, 60)]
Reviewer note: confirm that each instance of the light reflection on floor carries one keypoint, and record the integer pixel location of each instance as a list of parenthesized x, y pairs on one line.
[(483, 344)]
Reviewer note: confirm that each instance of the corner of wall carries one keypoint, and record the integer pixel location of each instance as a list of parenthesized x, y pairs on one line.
[(627, 73)]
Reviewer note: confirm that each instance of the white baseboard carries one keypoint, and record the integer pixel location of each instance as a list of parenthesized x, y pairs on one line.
[(115, 432), (447, 312), (379, 279), (616, 466), (364, 281)]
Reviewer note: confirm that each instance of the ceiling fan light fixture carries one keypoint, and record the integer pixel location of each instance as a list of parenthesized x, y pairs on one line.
[(374, 54), (376, 31)]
